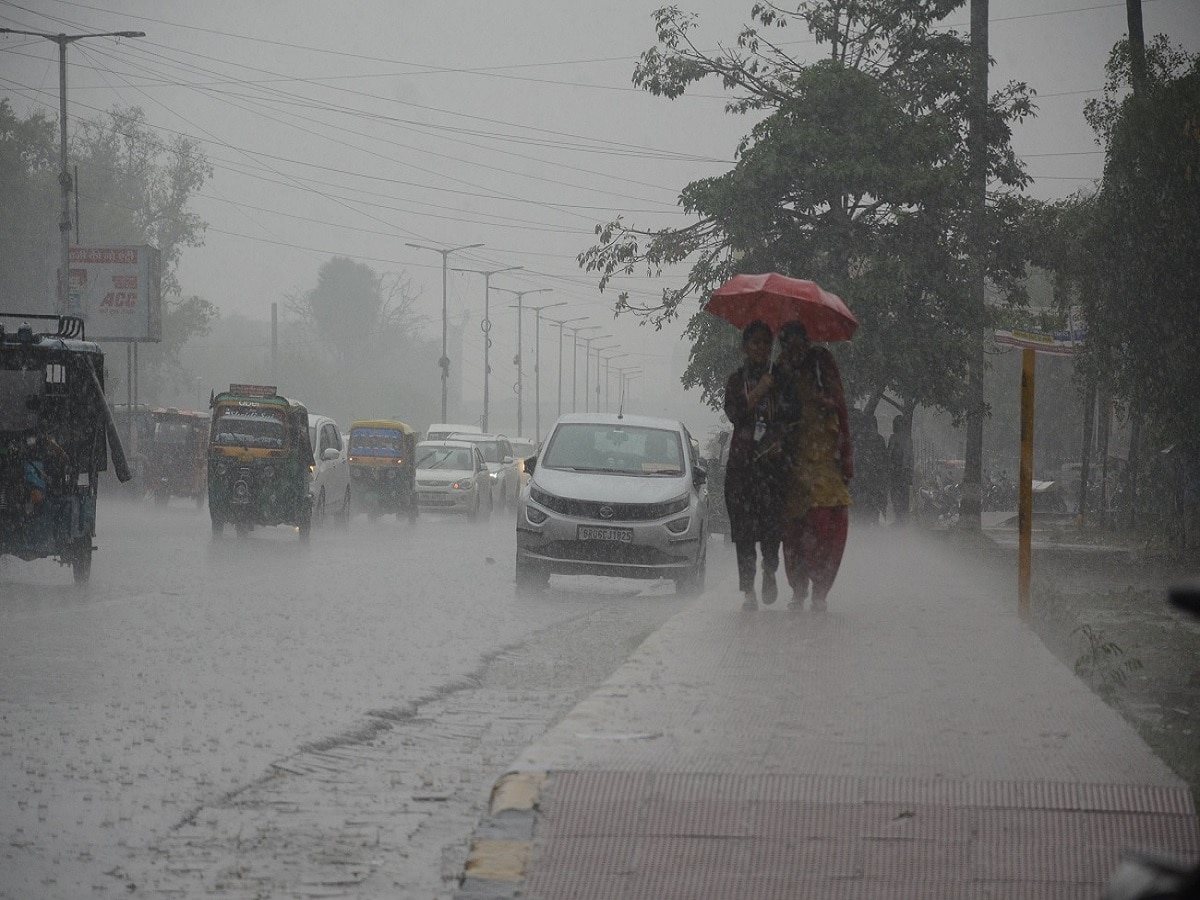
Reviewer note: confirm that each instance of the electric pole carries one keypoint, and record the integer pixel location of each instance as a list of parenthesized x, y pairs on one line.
[(65, 182)]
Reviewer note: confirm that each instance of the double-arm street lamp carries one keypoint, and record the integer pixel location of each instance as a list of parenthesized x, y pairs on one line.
[(607, 375), (537, 366), (486, 327), (587, 367), (562, 323), (444, 362), (64, 174), (575, 363), (518, 361)]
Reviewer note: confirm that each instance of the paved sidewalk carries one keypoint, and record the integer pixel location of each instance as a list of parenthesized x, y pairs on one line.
[(915, 741)]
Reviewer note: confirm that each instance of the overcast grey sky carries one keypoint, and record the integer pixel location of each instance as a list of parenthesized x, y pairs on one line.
[(355, 128)]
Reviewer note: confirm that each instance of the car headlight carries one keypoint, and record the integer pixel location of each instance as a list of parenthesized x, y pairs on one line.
[(464, 485), (535, 515), (679, 526)]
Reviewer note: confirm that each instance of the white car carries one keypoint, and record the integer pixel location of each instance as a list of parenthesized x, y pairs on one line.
[(330, 485), (502, 464), (523, 448), (452, 476), (615, 495)]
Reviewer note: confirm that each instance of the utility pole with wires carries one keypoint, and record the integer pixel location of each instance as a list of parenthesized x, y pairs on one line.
[(486, 327), (517, 361), (575, 363), (444, 362), (561, 323), (65, 182), (537, 366)]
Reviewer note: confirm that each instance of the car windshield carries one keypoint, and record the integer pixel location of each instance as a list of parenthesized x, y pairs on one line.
[(620, 449), (171, 432), (376, 442), (444, 458), (241, 426), (17, 387)]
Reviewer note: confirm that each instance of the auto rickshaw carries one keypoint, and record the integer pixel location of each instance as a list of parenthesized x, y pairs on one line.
[(383, 467), (177, 455), (56, 431), (260, 460)]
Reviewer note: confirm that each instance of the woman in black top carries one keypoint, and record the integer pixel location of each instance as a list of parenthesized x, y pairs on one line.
[(752, 495)]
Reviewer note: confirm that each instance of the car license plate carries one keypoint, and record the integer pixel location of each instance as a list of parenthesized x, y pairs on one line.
[(595, 533)]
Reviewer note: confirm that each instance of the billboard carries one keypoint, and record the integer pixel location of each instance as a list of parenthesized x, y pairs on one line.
[(117, 292)]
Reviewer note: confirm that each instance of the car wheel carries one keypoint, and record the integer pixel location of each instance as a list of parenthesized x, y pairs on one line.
[(473, 512), (305, 525), (692, 584), (318, 513), (81, 560), (491, 504), (531, 578), (217, 525), (344, 518)]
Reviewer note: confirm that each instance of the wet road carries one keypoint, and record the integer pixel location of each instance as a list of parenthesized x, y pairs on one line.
[(254, 717)]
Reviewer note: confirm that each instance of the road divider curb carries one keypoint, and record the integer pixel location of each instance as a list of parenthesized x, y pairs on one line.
[(503, 841)]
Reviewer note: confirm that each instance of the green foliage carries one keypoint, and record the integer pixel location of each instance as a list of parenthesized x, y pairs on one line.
[(1103, 662), (135, 187), (855, 178), (1130, 254), (29, 209)]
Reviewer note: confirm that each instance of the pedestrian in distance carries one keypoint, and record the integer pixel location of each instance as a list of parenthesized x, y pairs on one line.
[(753, 474), (870, 489), (821, 452), (900, 469)]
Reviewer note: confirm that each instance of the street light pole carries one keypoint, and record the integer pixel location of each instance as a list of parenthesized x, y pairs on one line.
[(607, 376), (520, 362), (575, 363), (64, 174), (444, 362), (486, 326), (561, 323), (537, 366), (586, 363)]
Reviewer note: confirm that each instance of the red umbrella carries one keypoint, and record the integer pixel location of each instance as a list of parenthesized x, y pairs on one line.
[(778, 300)]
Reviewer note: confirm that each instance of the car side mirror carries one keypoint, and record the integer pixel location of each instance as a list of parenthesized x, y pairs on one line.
[(530, 464), (330, 453), (508, 460), (699, 476)]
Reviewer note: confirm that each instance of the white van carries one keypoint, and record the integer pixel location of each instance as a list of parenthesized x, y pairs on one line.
[(439, 431)]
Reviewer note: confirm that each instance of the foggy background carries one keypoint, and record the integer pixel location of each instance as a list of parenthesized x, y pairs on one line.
[(357, 130)]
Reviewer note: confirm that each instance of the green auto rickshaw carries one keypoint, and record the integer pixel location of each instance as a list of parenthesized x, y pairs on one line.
[(383, 467), (260, 460), (56, 431)]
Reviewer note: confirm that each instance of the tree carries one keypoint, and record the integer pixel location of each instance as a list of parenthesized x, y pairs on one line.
[(28, 210), (855, 177), (135, 188), (351, 307)]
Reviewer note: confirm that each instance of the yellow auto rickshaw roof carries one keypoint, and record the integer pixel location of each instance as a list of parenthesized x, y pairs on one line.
[(394, 424)]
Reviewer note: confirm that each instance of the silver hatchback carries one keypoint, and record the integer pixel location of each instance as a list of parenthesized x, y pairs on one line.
[(614, 495)]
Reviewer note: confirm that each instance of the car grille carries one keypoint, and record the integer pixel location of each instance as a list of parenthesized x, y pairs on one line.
[(609, 552), (608, 512), (433, 484)]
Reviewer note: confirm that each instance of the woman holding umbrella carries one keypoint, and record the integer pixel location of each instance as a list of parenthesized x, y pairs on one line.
[(813, 519), (752, 492)]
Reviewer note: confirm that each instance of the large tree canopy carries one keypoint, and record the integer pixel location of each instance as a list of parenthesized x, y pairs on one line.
[(28, 210), (134, 188), (855, 177)]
